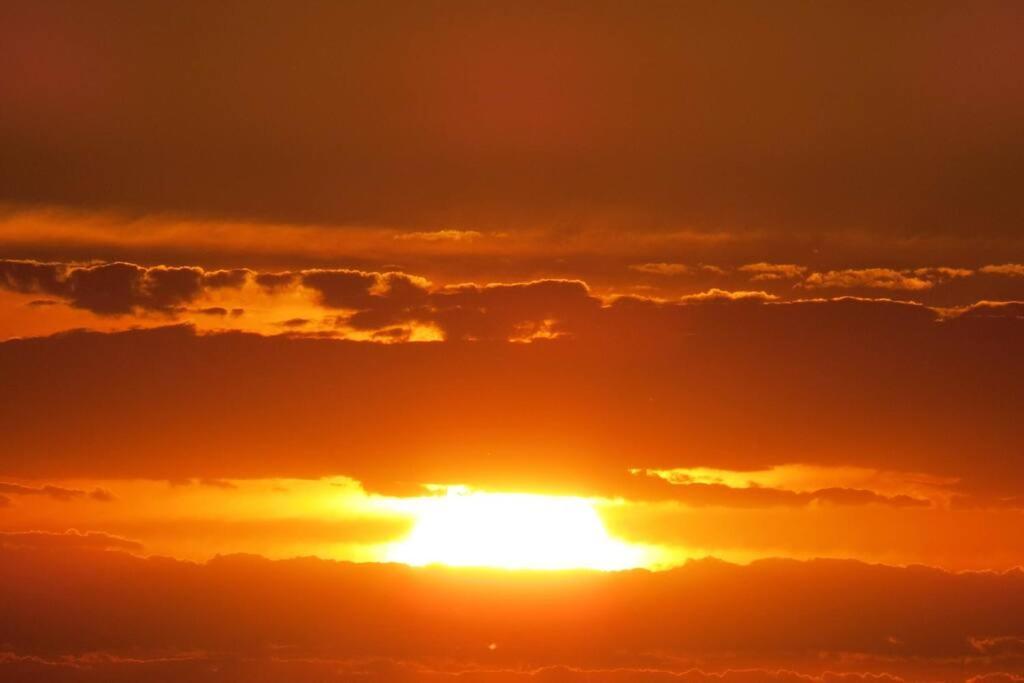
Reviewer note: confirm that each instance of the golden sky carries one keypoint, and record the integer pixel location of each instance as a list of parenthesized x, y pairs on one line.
[(511, 341)]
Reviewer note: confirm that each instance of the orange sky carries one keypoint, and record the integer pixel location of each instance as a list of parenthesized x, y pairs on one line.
[(511, 341)]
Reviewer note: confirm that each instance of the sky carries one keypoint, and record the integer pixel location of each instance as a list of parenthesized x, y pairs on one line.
[(512, 342)]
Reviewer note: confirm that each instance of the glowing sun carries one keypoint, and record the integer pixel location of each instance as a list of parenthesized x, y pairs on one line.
[(511, 531)]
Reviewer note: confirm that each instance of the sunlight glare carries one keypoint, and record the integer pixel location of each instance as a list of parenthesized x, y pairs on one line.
[(511, 531)]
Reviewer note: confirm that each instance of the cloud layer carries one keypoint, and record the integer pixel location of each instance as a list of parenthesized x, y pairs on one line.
[(635, 384), (772, 619)]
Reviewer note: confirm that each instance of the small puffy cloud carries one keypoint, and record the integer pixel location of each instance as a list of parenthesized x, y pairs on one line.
[(440, 236), (715, 294), (1008, 269), (943, 273), (866, 278), (1000, 645), (661, 268), (773, 271)]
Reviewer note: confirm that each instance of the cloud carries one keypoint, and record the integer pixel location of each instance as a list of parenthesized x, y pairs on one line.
[(716, 294), (1009, 269), (799, 621), (441, 236), (943, 273), (55, 492), (630, 383), (1002, 645), (295, 322), (274, 281), (513, 311), (217, 483), (986, 502), (773, 271), (395, 306), (213, 310), (106, 289), (867, 278), (233, 278), (990, 310), (203, 667), (652, 485), (719, 326), (340, 288), (277, 535), (70, 540), (102, 495), (661, 268)]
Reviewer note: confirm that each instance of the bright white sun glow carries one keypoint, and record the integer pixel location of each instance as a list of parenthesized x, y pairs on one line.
[(511, 531)]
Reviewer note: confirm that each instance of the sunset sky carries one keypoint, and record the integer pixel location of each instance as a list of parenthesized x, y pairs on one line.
[(418, 341)]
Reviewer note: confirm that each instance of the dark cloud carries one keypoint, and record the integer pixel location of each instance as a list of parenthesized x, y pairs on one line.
[(340, 288), (700, 495), (976, 502), (732, 384), (387, 303), (102, 495), (379, 301), (217, 483), (192, 667), (213, 310), (774, 615), (514, 311), (68, 541), (274, 281), (295, 322), (106, 289), (60, 493), (288, 531), (235, 278)]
